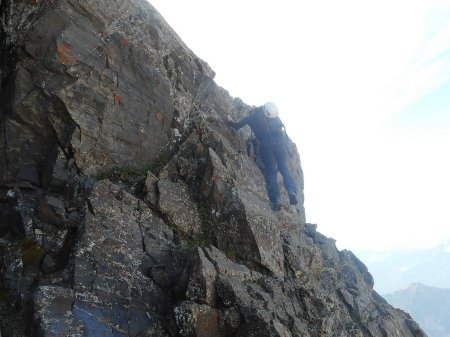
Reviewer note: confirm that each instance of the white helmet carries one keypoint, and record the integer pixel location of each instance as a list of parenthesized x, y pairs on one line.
[(270, 110)]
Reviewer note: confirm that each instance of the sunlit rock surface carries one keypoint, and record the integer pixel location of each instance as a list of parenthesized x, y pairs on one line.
[(129, 208)]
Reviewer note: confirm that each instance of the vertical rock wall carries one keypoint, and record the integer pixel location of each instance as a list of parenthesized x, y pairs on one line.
[(129, 208)]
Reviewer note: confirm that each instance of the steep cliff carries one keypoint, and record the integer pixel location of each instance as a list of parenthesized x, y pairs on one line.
[(129, 208)]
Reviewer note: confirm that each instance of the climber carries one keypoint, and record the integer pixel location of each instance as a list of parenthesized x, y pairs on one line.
[(268, 129)]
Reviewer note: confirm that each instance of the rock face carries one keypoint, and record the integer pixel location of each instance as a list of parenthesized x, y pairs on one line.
[(129, 208)]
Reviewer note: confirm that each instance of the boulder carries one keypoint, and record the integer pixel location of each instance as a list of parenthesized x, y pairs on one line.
[(177, 204)]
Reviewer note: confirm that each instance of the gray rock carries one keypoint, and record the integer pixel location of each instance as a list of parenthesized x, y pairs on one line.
[(151, 189), (88, 86), (109, 90), (53, 241), (49, 265), (59, 172), (176, 202), (53, 303), (53, 211), (201, 286), (229, 323), (111, 295), (29, 173), (226, 266), (196, 320)]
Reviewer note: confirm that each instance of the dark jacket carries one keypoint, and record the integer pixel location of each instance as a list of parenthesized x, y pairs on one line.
[(267, 130)]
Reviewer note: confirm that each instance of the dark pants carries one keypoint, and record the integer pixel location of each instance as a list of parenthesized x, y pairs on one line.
[(274, 158)]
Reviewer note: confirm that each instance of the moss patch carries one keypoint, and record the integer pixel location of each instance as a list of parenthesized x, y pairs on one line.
[(159, 163), (32, 252), (125, 174), (231, 254), (207, 226), (5, 295), (132, 174)]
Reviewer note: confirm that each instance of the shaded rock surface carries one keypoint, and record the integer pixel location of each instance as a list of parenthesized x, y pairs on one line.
[(129, 208)]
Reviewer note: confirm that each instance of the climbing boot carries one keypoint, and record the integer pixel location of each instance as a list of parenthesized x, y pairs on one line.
[(275, 206), (293, 199)]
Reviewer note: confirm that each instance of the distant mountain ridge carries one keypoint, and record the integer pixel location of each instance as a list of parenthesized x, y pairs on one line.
[(398, 270), (429, 306)]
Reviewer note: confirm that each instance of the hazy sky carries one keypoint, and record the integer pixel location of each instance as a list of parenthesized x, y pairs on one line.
[(363, 88)]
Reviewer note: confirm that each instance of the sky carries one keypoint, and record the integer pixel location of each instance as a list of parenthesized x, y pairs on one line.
[(363, 88)]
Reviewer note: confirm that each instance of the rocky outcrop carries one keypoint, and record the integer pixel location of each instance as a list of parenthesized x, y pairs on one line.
[(129, 208)]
